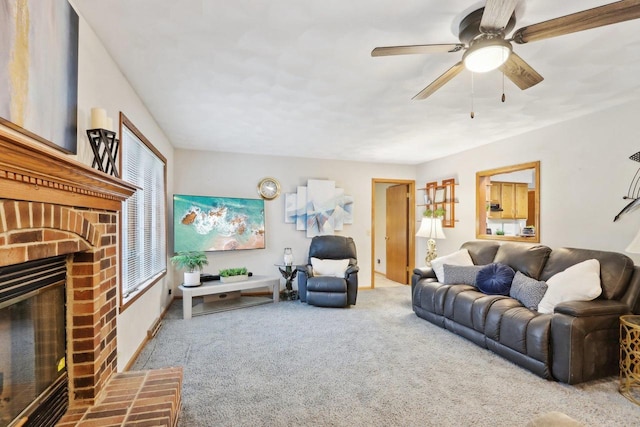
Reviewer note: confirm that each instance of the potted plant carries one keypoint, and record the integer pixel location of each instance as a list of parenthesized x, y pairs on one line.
[(229, 275), (437, 213), (192, 262)]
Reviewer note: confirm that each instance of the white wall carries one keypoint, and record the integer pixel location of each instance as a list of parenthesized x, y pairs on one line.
[(236, 175), (102, 84), (585, 171)]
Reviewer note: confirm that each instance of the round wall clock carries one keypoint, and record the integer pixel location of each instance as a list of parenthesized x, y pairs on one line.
[(269, 188)]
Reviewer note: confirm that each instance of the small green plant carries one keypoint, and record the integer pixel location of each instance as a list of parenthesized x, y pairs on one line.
[(227, 272), (499, 232), (190, 261), (437, 213)]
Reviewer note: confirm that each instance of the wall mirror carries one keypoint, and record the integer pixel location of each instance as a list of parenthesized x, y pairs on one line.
[(508, 203)]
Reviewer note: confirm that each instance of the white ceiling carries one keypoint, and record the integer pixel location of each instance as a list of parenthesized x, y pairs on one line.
[(295, 77)]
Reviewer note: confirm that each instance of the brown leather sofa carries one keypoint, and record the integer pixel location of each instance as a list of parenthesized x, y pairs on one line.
[(578, 342)]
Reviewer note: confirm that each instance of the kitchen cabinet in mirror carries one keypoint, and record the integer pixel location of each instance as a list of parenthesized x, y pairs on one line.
[(508, 203)]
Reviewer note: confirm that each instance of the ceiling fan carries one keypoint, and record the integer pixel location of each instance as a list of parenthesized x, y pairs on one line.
[(482, 37)]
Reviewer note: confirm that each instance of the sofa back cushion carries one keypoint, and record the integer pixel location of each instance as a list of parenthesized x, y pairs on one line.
[(481, 252), (333, 247), (615, 268), (529, 260)]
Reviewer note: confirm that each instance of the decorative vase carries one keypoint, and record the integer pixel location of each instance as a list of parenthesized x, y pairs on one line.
[(288, 256), (231, 279), (191, 278)]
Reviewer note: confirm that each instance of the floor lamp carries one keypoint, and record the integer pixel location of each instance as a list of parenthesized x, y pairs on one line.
[(431, 228)]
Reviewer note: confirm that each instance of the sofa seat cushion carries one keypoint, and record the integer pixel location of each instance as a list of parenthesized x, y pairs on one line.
[(470, 308), (526, 332), (451, 296), (493, 320), (431, 296), (326, 284)]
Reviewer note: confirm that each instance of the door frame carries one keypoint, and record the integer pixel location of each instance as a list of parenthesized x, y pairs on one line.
[(411, 221)]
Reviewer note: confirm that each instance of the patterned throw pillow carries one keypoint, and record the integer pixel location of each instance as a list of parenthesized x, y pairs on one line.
[(461, 274), (495, 279), (460, 257), (527, 290)]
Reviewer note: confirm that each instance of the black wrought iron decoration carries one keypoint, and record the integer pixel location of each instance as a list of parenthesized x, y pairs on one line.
[(633, 193), (105, 150)]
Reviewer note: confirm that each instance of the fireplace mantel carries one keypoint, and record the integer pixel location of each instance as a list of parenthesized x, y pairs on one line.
[(30, 171), (53, 205)]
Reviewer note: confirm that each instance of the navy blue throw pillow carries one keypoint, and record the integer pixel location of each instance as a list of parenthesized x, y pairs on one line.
[(495, 279)]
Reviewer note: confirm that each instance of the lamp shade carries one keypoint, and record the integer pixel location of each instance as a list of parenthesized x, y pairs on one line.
[(431, 228), (486, 55), (634, 246)]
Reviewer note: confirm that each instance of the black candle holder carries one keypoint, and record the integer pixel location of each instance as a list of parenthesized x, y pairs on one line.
[(105, 150)]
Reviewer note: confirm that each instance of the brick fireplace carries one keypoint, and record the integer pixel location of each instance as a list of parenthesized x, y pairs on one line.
[(51, 205), (34, 230)]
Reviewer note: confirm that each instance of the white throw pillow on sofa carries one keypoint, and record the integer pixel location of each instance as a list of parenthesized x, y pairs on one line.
[(460, 257), (329, 267), (580, 282)]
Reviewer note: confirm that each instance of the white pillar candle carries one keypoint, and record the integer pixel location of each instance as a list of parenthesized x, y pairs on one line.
[(98, 118), (109, 124)]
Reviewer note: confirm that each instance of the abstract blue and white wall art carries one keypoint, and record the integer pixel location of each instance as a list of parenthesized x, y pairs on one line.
[(320, 208), (290, 200), (301, 209)]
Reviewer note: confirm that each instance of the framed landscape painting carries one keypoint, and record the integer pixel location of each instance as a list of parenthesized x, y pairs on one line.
[(39, 70), (205, 223)]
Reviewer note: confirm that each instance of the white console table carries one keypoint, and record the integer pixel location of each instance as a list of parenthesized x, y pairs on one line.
[(216, 287)]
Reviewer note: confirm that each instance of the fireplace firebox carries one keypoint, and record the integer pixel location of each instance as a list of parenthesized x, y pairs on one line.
[(33, 376)]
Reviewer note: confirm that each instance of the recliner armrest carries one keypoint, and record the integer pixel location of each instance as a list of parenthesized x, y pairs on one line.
[(592, 308), (425, 272), (305, 269), (351, 270)]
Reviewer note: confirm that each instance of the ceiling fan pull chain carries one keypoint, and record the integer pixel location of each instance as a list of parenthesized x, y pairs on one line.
[(503, 95), (472, 113)]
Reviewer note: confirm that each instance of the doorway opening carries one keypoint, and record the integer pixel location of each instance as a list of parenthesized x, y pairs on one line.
[(392, 231)]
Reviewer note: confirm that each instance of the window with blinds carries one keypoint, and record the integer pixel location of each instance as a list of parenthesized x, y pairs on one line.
[(144, 246)]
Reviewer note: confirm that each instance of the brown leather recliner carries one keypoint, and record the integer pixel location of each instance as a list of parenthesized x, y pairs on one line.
[(578, 342)]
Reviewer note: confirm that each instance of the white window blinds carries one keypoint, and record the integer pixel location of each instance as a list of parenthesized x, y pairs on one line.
[(143, 215)]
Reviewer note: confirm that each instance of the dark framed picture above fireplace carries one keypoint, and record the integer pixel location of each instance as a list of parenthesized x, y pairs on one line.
[(39, 71), (207, 223)]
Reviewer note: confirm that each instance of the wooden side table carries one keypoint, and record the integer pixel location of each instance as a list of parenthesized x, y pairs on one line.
[(630, 357)]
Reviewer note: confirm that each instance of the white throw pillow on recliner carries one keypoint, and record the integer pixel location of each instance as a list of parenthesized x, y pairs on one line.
[(329, 267), (580, 282), (460, 257)]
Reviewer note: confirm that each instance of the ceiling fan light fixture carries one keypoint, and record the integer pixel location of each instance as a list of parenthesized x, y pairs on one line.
[(486, 55)]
